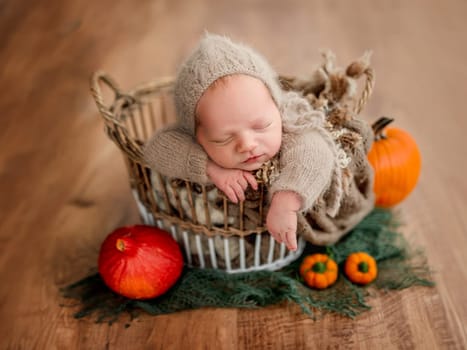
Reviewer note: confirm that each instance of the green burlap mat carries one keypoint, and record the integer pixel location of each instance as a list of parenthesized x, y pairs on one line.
[(400, 266)]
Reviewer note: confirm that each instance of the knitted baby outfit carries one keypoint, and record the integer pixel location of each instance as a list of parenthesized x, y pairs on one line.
[(308, 162)]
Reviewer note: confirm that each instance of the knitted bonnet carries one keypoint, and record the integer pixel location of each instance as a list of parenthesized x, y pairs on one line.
[(216, 57)]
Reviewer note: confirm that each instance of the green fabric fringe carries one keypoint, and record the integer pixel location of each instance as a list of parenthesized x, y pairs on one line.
[(399, 268)]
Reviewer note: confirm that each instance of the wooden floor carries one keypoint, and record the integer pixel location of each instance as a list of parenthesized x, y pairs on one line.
[(63, 184)]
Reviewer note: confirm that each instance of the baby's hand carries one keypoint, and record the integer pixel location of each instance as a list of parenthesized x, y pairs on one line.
[(281, 220), (233, 182)]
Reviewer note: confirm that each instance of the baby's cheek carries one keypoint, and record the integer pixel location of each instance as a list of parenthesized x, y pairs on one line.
[(273, 146), (224, 157)]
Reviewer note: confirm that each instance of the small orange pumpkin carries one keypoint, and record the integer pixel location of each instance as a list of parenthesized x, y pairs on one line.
[(361, 268), (319, 271), (396, 161)]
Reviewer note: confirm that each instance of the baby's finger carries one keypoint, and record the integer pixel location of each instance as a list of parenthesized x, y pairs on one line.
[(239, 191), (291, 240), (243, 183), (229, 192), (251, 180), (276, 236), (283, 237), (271, 232)]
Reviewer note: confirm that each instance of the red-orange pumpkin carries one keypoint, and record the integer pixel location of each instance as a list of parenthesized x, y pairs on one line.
[(140, 262), (396, 160)]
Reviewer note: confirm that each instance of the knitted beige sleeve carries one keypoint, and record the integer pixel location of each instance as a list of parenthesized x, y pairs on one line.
[(175, 154), (306, 166)]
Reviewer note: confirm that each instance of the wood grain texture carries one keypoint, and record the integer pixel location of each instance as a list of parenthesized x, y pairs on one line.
[(64, 186)]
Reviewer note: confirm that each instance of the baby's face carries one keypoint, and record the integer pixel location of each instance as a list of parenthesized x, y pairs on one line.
[(239, 125)]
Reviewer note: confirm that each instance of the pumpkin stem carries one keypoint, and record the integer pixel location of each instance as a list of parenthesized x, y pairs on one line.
[(120, 245), (363, 267), (379, 125), (319, 267)]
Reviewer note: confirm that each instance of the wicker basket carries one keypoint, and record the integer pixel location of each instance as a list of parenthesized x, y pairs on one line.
[(212, 231), (197, 216)]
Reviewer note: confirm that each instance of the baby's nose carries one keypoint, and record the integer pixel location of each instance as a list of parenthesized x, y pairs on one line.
[(246, 143)]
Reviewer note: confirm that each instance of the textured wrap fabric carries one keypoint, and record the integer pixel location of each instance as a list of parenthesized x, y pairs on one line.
[(357, 197)]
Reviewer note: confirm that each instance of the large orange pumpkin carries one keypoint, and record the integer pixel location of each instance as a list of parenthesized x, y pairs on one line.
[(140, 262), (396, 160)]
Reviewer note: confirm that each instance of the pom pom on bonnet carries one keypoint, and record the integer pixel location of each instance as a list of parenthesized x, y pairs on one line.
[(216, 57)]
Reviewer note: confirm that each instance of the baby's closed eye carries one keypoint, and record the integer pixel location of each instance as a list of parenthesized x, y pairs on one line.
[(262, 126), (223, 141)]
